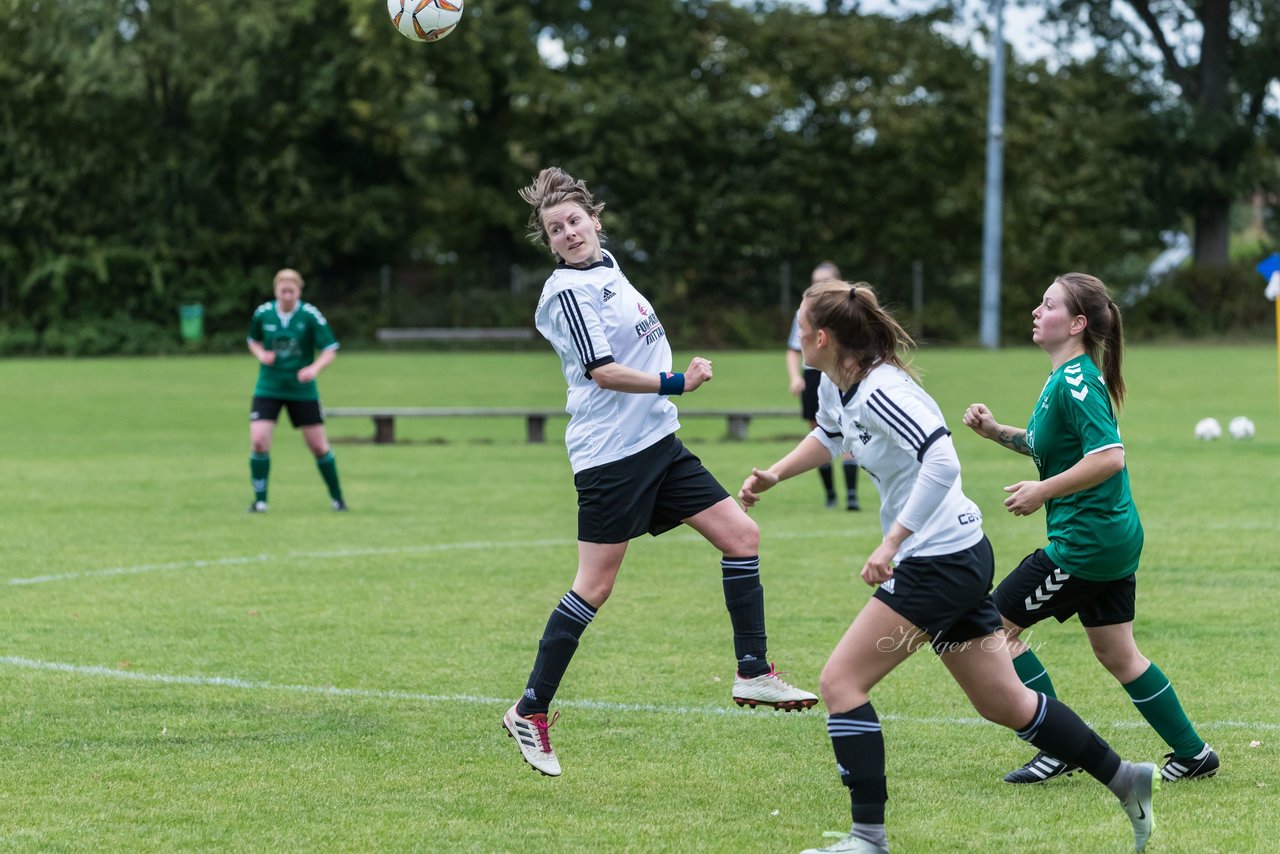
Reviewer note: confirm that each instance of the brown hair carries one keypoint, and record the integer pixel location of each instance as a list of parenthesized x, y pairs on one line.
[(863, 329), (552, 187), (1104, 329)]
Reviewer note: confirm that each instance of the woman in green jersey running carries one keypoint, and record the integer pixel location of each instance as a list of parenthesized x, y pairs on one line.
[(293, 343), (1095, 536)]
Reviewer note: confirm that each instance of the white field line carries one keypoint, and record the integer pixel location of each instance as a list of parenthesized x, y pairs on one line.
[(428, 548), (473, 699), (294, 555)]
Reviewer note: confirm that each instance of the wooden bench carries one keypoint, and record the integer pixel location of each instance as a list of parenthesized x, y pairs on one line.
[(384, 418), (432, 333)]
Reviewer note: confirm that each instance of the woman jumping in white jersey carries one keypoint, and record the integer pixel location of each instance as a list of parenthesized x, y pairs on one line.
[(932, 571), (632, 474)]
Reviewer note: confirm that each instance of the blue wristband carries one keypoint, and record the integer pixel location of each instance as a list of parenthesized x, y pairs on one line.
[(669, 383)]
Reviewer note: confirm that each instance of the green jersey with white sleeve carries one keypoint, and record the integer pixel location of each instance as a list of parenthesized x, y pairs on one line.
[(295, 337), (1095, 533)]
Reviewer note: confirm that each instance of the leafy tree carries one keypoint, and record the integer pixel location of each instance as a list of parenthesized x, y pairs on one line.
[(153, 152), (1221, 57)]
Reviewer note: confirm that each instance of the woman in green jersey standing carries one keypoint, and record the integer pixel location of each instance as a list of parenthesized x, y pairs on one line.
[(293, 343), (1095, 536)]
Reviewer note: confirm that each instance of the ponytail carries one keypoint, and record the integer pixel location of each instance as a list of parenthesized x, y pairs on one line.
[(862, 328), (1104, 328)]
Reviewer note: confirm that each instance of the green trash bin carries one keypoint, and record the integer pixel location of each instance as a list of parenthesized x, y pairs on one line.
[(191, 319)]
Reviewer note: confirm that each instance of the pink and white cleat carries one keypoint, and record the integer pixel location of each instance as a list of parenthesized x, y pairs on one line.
[(533, 736), (770, 689)]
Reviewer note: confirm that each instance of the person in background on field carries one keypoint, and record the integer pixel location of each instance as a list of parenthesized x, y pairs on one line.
[(293, 343), (1090, 563), (932, 571), (804, 384), (631, 472)]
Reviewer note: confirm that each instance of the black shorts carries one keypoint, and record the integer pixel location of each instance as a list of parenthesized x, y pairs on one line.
[(948, 597), (809, 397), (1038, 589), (653, 490), (302, 413)]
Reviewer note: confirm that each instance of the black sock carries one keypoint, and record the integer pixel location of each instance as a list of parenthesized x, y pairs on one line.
[(859, 747), (559, 642), (828, 484), (744, 597), (851, 478), (1059, 732)]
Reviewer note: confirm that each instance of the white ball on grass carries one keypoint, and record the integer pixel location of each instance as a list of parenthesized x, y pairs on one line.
[(1240, 428), (1208, 429)]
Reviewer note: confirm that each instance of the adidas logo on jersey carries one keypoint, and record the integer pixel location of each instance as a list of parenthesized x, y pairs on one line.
[(607, 295)]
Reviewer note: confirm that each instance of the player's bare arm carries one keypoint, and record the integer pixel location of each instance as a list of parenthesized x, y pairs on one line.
[(806, 456), (979, 419), (1014, 440)]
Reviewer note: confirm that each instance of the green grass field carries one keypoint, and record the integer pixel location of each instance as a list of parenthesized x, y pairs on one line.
[(176, 674)]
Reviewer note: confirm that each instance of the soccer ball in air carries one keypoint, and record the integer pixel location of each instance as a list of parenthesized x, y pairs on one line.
[(1208, 429), (425, 20), (1240, 428)]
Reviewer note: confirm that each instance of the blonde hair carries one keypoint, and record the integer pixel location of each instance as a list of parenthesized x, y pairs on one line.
[(863, 329), (829, 268), (1104, 328), (288, 273), (552, 187)]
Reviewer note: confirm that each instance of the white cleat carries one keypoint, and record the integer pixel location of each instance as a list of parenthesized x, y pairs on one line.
[(847, 843), (532, 735), (1137, 802), (770, 689), (258, 507)]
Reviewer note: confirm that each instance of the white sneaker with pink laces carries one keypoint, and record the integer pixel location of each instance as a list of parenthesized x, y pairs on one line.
[(533, 736), (770, 689)]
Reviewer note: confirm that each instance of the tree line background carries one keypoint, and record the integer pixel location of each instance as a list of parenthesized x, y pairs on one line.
[(157, 152)]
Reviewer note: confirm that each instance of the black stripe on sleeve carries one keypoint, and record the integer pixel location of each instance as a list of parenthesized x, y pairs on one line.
[(933, 437), (577, 326), (591, 366), (897, 418), (830, 435)]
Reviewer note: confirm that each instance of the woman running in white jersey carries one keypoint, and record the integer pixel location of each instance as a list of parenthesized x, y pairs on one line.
[(631, 472), (932, 571)]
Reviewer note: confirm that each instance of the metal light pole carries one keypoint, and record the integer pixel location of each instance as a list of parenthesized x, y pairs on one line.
[(990, 327)]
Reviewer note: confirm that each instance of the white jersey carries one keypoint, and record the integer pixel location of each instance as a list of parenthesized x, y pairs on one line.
[(888, 423), (793, 340), (592, 317)]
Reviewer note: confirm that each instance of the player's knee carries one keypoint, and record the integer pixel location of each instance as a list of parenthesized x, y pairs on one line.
[(1003, 712), (1013, 707), (594, 591), (839, 691), (1125, 664), (744, 539), (1118, 657)]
